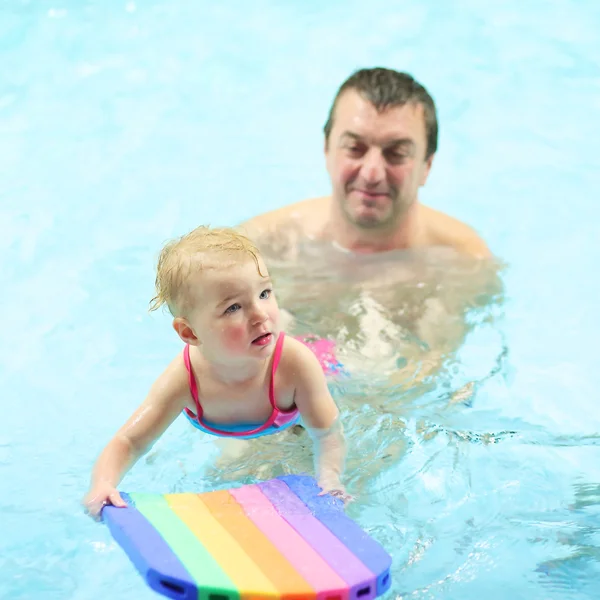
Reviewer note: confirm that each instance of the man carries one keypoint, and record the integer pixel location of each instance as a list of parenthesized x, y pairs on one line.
[(380, 140)]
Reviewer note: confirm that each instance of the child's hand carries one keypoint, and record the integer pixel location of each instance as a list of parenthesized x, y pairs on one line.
[(343, 495), (337, 491), (99, 496)]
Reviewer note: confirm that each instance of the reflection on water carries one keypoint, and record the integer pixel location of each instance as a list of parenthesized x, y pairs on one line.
[(400, 315)]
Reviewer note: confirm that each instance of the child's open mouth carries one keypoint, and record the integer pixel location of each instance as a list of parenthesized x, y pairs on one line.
[(262, 340)]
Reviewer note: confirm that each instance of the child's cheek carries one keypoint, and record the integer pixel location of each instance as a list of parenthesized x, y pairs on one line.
[(274, 314), (234, 337)]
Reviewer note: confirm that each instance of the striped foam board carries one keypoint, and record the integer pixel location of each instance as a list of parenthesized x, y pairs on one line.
[(271, 540)]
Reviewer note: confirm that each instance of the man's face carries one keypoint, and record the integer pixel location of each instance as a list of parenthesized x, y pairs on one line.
[(376, 161)]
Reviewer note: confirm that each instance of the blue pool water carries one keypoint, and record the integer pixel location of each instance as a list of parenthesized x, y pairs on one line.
[(125, 123)]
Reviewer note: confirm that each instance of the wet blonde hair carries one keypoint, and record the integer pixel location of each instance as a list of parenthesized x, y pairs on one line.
[(193, 252)]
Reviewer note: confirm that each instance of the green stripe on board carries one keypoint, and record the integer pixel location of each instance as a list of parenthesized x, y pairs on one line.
[(207, 573)]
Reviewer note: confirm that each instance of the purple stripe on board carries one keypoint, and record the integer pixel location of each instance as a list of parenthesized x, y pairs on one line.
[(331, 513), (334, 553)]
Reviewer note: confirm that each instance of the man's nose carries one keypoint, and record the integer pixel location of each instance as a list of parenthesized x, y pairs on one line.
[(373, 167)]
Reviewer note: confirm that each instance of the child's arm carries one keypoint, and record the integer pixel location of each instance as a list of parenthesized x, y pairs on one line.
[(165, 400), (320, 416)]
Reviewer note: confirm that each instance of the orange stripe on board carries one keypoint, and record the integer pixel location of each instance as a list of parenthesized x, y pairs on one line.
[(290, 584), (251, 582)]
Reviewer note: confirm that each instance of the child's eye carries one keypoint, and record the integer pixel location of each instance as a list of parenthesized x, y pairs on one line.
[(265, 294), (233, 308)]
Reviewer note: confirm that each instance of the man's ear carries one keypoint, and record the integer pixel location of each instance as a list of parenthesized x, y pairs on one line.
[(428, 163), (185, 331)]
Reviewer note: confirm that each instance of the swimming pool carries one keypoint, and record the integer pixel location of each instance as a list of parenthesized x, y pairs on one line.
[(125, 123)]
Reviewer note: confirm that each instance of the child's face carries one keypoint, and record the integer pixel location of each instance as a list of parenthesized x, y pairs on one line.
[(235, 311)]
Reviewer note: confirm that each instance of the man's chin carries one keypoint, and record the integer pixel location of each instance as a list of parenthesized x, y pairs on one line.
[(371, 220)]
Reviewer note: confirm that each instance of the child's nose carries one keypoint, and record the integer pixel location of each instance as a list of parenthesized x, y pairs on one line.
[(259, 315)]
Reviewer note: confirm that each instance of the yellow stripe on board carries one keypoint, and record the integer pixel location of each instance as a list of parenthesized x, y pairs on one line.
[(225, 508), (249, 579)]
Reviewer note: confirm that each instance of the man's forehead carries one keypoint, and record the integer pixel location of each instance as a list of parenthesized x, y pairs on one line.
[(356, 114)]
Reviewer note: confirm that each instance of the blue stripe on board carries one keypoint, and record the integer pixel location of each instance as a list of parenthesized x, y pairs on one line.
[(149, 552)]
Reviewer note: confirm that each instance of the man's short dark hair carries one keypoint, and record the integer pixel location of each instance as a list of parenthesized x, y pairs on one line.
[(386, 88)]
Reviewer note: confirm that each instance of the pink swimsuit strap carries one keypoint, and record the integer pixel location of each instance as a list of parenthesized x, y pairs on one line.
[(194, 390)]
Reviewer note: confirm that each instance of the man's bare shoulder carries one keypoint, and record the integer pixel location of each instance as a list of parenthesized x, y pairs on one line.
[(306, 215), (445, 230)]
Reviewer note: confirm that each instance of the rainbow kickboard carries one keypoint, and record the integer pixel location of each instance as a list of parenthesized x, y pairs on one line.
[(273, 540)]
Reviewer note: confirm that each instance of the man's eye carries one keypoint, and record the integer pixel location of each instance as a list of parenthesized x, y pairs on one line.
[(398, 154)]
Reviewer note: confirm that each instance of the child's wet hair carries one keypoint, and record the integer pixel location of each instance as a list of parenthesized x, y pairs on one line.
[(191, 253)]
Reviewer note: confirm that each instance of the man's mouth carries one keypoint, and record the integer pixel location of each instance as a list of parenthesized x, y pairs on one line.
[(372, 193), (262, 340), (371, 199)]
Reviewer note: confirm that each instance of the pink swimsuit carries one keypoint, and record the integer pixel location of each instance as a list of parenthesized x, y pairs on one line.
[(278, 420)]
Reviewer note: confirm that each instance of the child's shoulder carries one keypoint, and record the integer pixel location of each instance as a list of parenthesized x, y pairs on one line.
[(293, 347), (297, 357), (174, 379)]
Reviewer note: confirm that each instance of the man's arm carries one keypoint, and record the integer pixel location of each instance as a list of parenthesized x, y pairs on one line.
[(279, 233), (258, 226), (443, 325), (274, 220), (442, 229)]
